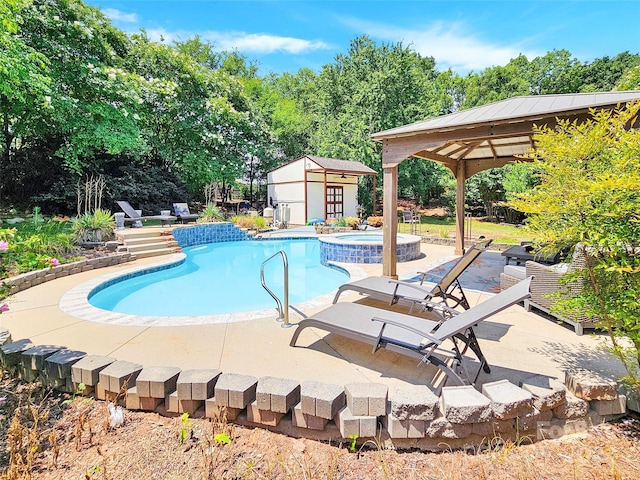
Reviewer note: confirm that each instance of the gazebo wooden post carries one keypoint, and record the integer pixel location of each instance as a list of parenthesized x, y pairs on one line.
[(324, 186), (390, 221), (460, 197), (374, 195)]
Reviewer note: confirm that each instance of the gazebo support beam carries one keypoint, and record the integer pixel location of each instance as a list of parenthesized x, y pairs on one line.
[(390, 222), (460, 194)]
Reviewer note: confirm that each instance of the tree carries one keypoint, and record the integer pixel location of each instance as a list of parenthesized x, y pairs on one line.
[(555, 72), (485, 189), (630, 80), (196, 121), (496, 83), (602, 74), (91, 96), (371, 88), (589, 196), (25, 86)]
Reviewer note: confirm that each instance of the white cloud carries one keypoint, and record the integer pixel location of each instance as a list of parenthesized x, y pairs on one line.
[(162, 35), (451, 45), (264, 43), (117, 15), (257, 43)]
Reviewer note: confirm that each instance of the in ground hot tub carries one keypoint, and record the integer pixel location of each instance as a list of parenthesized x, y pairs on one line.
[(365, 248)]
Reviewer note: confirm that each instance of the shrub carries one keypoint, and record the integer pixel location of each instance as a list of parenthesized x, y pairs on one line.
[(244, 221), (34, 245), (352, 222), (374, 221), (94, 227), (211, 213), (261, 223), (588, 196)]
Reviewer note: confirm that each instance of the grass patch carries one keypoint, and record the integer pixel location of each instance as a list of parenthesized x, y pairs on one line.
[(445, 227)]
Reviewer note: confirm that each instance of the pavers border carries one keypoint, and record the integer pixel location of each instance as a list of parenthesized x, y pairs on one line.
[(27, 280), (463, 417)]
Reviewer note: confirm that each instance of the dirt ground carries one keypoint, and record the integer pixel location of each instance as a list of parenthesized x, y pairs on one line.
[(48, 436)]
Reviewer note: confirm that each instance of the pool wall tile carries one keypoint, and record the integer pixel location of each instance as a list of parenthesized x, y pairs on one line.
[(332, 250), (209, 233)]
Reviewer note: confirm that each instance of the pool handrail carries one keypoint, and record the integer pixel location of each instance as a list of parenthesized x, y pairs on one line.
[(282, 312)]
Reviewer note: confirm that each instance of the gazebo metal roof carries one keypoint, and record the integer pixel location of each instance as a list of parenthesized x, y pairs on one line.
[(492, 135), (477, 139)]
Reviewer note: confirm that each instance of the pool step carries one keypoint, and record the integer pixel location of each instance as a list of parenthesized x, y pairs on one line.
[(148, 242)]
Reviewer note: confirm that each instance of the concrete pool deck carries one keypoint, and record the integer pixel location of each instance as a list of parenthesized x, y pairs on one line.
[(518, 344)]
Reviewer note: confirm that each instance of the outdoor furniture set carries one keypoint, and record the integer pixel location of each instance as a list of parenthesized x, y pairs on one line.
[(181, 215), (547, 286), (441, 342), (416, 335)]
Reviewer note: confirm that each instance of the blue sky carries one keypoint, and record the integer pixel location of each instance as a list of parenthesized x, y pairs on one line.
[(464, 35)]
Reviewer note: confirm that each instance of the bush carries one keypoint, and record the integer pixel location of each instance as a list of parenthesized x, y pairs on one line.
[(94, 227), (244, 221), (588, 196), (261, 223), (352, 222), (211, 213), (34, 245), (374, 221)]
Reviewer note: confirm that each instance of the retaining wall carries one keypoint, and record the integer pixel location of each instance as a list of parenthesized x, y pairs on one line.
[(30, 279), (409, 417)]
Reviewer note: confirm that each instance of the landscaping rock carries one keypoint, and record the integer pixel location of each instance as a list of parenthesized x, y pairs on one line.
[(589, 385)]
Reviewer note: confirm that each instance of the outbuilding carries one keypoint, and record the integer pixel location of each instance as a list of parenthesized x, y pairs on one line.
[(317, 188)]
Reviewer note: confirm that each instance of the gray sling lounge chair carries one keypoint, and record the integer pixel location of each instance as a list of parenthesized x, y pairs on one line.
[(448, 288), (181, 211), (416, 336), (132, 215)]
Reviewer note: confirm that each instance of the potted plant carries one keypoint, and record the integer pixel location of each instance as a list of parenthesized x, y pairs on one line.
[(94, 228)]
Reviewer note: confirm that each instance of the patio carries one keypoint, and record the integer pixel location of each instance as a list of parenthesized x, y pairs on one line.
[(515, 333), (518, 344)]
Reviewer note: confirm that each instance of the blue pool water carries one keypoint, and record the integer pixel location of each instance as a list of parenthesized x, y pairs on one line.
[(222, 278)]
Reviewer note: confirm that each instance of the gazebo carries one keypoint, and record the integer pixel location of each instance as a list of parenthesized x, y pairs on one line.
[(473, 140)]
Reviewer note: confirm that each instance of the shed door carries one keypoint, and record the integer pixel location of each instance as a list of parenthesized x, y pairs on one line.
[(335, 203)]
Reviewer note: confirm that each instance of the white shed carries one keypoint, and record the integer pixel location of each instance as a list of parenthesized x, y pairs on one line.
[(317, 187)]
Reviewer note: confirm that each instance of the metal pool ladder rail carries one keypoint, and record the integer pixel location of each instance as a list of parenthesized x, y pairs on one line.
[(282, 312)]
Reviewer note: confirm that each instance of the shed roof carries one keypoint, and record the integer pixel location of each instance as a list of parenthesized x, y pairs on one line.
[(347, 166)]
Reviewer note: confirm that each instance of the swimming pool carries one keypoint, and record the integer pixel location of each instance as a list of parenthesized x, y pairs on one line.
[(221, 278)]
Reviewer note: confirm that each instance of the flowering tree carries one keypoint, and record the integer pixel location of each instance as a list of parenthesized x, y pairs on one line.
[(590, 195)]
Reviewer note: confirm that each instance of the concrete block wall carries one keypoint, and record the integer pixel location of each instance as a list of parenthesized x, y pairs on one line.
[(407, 417), (31, 279)]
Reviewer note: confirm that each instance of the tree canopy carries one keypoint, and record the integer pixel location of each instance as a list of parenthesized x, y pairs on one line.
[(78, 97)]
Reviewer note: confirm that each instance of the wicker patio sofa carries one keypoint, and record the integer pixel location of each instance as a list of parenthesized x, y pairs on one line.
[(547, 281)]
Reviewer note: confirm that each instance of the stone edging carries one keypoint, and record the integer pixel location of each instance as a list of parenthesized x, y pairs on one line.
[(36, 277), (406, 417)]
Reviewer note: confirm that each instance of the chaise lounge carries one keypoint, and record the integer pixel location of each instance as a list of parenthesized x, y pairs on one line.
[(181, 211), (411, 335), (448, 289), (132, 215)]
